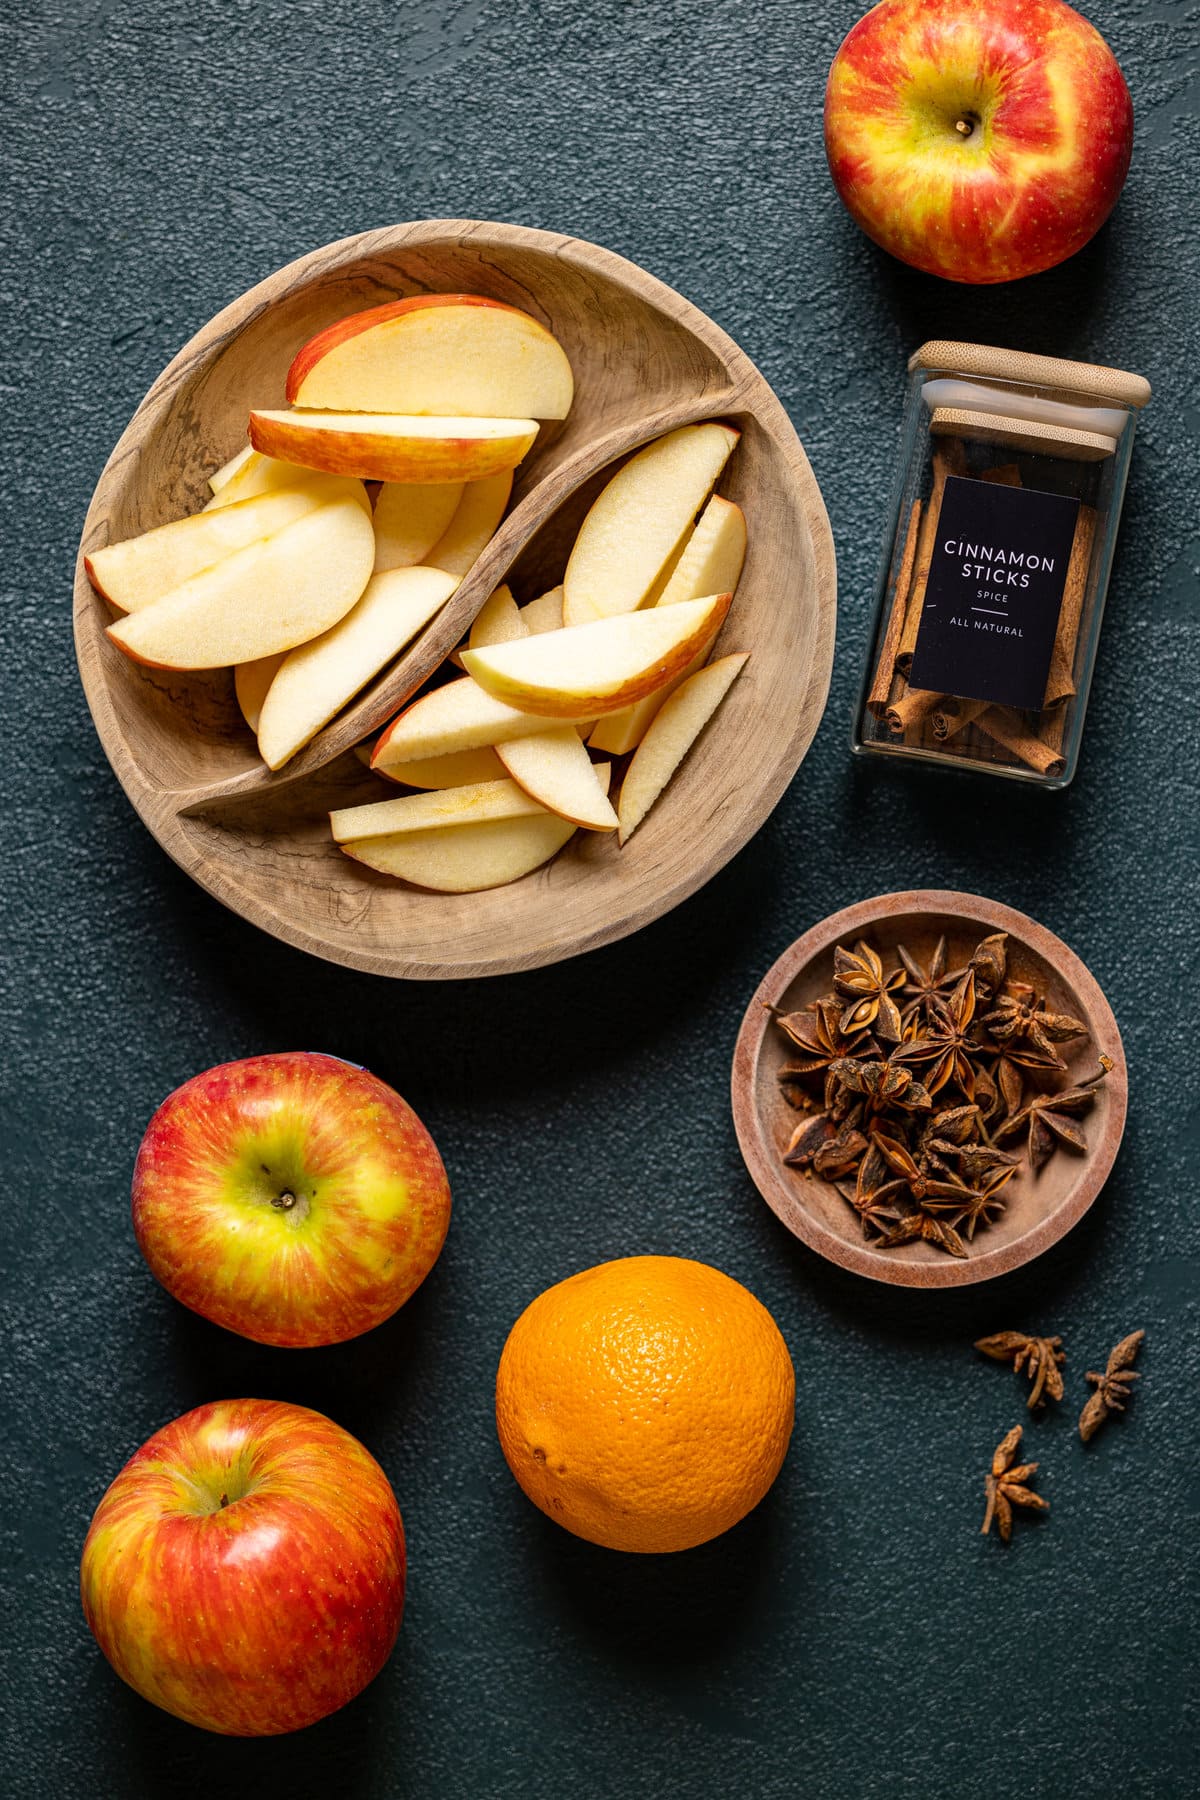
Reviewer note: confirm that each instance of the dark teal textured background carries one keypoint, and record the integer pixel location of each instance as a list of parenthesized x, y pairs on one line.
[(854, 1637)]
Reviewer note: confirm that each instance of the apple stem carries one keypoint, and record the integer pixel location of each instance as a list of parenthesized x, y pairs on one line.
[(224, 1499), (284, 1201), (964, 127)]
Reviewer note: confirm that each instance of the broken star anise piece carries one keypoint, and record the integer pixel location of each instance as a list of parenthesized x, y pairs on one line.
[(923, 1187), (989, 964), (1113, 1388), (1050, 1119), (859, 978), (1041, 1358), (979, 1200), (1005, 1487)]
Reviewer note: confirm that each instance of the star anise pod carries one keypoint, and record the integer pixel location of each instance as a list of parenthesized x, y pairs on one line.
[(1050, 1119), (925, 984), (989, 964), (979, 1201), (1040, 1357), (881, 1084), (808, 1137), (1005, 1487), (1113, 1388), (841, 1153), (922, 1187), (858, 976), (817, 1034), (872, 1191), (922, 1224), (1020, 1017), (978, 1162), (947, 1044)]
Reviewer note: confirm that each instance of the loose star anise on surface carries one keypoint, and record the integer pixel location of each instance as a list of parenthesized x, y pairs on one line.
[(1005, 1487), (1041, 1358), (1113, 1388), (1050, 1119), (969, 1042), (859, 978)]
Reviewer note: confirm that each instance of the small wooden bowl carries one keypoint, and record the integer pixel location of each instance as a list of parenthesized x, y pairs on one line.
[(1042, 1208), (645, 361)]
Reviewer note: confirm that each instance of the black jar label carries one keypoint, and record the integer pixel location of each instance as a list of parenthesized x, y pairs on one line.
[(994, 592)]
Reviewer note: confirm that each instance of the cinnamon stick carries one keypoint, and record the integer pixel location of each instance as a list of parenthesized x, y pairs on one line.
[(912, 707), (881, 687), (1060, 683), (1007, 728), (955, 716), (949, 458)]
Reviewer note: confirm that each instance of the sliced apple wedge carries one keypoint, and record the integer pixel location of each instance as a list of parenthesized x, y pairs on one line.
[(250, 683), (320, 677), (544, 613), (465, 859), (445, 806), (479, 512), (410, 517), (711, 563), (670, 737), (451, 719), (272, 595), (435, 353), (586, 670), (636, 523), (462, 770), (555, 769), (142, 569), (498, 620), (394, 446), (222, 476)]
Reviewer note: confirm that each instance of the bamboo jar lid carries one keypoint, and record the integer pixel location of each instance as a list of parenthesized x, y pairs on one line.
[(1049, 372)]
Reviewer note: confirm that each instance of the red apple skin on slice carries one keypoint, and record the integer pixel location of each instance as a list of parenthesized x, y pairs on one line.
[(585, 671), (435, 353), (385, 447)]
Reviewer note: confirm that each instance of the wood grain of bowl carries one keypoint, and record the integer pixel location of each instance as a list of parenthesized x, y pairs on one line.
[(645, 361), (1041, 1209)]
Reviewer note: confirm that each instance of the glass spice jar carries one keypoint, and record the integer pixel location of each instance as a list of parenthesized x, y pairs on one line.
[(992, 591)]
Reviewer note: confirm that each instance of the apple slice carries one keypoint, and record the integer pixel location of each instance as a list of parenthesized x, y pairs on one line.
[(250, 683), (555, 769), (585, 670), (457, 717), (479, 512), (461, 770), (670, 737), (139, 571), (394, 446), (636, 523), (318, 678), (711, 563), (435, 353), (410, 517), (470, 805), (464, 859), (498, 620), (544, 613), (222, 476), (274, 594)]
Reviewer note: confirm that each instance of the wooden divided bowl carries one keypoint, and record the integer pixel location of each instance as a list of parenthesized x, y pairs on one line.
[(645, 361)]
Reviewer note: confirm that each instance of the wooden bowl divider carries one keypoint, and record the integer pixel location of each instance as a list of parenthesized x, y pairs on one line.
[(645, 362)]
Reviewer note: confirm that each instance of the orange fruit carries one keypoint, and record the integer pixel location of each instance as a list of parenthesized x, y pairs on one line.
[(645, 1404)]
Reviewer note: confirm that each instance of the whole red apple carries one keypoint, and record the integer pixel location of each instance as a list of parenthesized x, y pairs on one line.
[(245, 1570), (978, 139), (293, 1198)]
